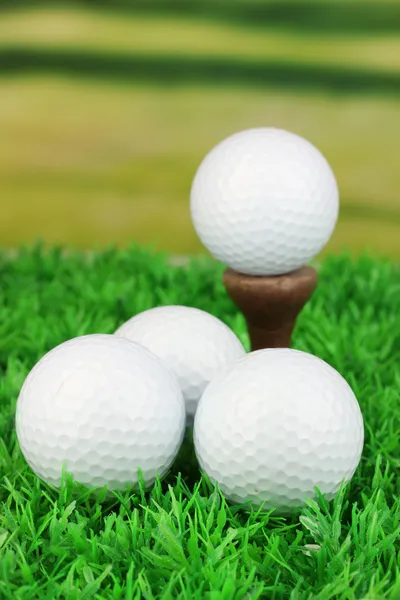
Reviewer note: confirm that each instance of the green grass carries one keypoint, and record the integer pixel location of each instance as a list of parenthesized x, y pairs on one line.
[(88, 163), (182, 540), (333, 16), (106, 113), (83, 30)]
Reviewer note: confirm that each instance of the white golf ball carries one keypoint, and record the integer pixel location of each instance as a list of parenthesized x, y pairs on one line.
[(275, 425), (264, 201), (102, 408), (192, 343)]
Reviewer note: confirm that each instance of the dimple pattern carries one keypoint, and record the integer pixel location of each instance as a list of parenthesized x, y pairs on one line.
[(274, 425), (192, 343), (102, 407), (264, 201)]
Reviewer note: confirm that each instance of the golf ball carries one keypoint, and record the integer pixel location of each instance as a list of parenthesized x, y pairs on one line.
[(192, 343), (102, 408), (275, 425), (264, 201)]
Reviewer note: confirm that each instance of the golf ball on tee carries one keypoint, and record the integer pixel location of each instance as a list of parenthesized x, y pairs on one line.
[(103, 408), (275, 425), (264, 201), (192, 343)]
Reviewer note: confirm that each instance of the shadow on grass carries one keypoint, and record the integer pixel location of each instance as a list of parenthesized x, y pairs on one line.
[(185, 463), (175, 70), (307, 16)]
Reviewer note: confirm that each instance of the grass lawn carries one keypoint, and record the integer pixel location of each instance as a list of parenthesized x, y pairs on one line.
[(106, 114), (182, 540), (83, 29), (88, 163)]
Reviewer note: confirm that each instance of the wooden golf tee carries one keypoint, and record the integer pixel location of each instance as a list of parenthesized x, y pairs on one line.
[(271, 304)]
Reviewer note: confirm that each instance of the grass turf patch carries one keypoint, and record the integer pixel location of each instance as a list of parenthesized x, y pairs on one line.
[(182, 540)]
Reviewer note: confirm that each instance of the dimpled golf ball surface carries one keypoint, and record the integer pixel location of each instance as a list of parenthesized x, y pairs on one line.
[(192, 343), (102, 407), (264, 201), (276, 424)]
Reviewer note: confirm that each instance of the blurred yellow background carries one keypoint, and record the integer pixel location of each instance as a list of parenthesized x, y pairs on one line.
[(106, 113)]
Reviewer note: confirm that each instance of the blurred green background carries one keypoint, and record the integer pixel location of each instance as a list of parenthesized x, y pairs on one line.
[(107, 109)]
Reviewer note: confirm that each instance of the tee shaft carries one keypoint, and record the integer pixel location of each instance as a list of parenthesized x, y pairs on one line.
[(271, 305)]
